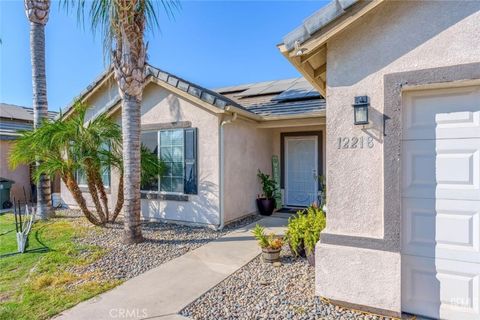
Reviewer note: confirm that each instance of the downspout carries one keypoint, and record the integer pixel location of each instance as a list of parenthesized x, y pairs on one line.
[(222, 168)]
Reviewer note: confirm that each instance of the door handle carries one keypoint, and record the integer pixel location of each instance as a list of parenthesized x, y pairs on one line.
[(314, 172)]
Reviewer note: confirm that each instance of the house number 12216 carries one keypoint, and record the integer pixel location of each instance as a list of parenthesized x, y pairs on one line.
[(354, 142)]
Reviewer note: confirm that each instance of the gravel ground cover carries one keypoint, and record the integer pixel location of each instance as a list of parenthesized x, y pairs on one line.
[(265, 291), (163, 242)]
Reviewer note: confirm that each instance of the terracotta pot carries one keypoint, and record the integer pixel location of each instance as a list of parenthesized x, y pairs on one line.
[(266, 206), (311, 258), (271, 255)]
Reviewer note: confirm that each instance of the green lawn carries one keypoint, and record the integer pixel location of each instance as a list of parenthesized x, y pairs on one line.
[(37, 283)]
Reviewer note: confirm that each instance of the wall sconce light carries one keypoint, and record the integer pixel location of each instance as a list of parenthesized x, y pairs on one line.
[(360, 110)]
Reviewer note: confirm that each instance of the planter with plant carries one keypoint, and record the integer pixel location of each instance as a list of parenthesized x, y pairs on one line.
[(266, 202), (303, 232), (271, 244), (295, 234), (315, 223)]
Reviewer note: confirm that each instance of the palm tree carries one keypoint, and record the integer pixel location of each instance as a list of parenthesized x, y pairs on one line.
[(69, 146), (123, 23), (37, 13)]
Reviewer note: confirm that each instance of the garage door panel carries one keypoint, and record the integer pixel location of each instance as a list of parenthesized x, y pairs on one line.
[(441, 203), (441, 228), (436, 288), (448, 169), (438, 114)]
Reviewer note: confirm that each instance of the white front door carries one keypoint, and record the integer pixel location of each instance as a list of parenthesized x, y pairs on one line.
[(301, 170), (441, 203)]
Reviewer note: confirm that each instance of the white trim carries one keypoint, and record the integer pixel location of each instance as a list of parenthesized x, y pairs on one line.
[(291, 138)]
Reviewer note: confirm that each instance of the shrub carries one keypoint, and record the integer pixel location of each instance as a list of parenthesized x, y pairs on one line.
[(303, 230), (315, 223), (296, 232)]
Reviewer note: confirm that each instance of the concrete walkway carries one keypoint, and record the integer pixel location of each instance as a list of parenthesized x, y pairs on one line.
[(162, 292)]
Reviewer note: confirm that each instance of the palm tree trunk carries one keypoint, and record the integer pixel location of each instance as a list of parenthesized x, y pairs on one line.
[(72, 186), (92, 188), (120, 199), (40, 108), (102, 193), (131, 162)]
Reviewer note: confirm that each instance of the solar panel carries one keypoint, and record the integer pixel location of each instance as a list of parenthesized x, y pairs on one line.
[(301, 89)]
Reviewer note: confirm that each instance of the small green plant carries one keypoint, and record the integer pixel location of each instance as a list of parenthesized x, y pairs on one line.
[(296, 232), (315, 223), (268, 184), (270, 241), (303, 230)]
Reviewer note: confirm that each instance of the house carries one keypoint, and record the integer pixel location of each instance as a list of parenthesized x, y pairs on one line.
[(214, 142), (14, 119), (403, 224)]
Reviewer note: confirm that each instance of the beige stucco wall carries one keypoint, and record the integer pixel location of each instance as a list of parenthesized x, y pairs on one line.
[(161, 106), (21, 175), (397, 36), (246, 149)]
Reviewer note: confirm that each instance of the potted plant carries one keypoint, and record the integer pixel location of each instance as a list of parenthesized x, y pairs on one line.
[(295, 234), (315, 222), (266, 202), (271, 244)]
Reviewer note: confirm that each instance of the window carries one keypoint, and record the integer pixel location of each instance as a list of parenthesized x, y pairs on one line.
[(171, 152), (81, 177), (178, 149)]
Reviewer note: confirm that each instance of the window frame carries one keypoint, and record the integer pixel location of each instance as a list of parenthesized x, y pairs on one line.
[(159, 185), (85, 185)]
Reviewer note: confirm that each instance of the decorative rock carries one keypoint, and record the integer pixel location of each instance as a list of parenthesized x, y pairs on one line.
[(288, 293), (163, 242), (277, 264)]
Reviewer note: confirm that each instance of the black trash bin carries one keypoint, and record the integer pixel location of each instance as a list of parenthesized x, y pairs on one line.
[(5, 187)]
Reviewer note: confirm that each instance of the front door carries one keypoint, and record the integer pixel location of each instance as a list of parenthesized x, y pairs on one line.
[(301, 174)]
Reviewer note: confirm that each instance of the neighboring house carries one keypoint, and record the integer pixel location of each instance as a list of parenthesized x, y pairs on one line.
[(215, 141), (403, 223), (14, 119)]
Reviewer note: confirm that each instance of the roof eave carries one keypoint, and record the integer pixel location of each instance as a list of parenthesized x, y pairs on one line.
[(307, 50)]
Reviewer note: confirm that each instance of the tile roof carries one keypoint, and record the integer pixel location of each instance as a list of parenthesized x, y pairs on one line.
[(209, 96), (317, 21), (195, 90), (269, 98)]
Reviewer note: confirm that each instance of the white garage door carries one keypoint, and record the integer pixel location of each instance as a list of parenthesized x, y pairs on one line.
[(441, 203)]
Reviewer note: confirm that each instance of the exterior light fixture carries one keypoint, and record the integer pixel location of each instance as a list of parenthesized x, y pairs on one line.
[(360, 110)]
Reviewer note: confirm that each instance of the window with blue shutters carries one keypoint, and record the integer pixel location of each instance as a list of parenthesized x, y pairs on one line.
[(177, 148)]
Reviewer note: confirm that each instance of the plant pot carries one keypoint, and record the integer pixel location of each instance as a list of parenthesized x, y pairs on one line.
[(311, 258), (271, 255), (300, 249), (266, 206)]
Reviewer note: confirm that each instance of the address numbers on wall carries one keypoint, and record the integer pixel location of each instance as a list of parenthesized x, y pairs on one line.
[(355, 142)]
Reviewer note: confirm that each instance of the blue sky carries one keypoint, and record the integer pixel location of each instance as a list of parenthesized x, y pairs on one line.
[(213, 44)]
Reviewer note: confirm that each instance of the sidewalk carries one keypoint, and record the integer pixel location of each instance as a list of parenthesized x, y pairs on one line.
[(162, 292)]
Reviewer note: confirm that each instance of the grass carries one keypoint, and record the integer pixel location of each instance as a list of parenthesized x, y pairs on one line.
[(38, 284)]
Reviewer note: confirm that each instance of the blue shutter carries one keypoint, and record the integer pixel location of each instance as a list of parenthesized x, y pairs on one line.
[(190, 146)]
